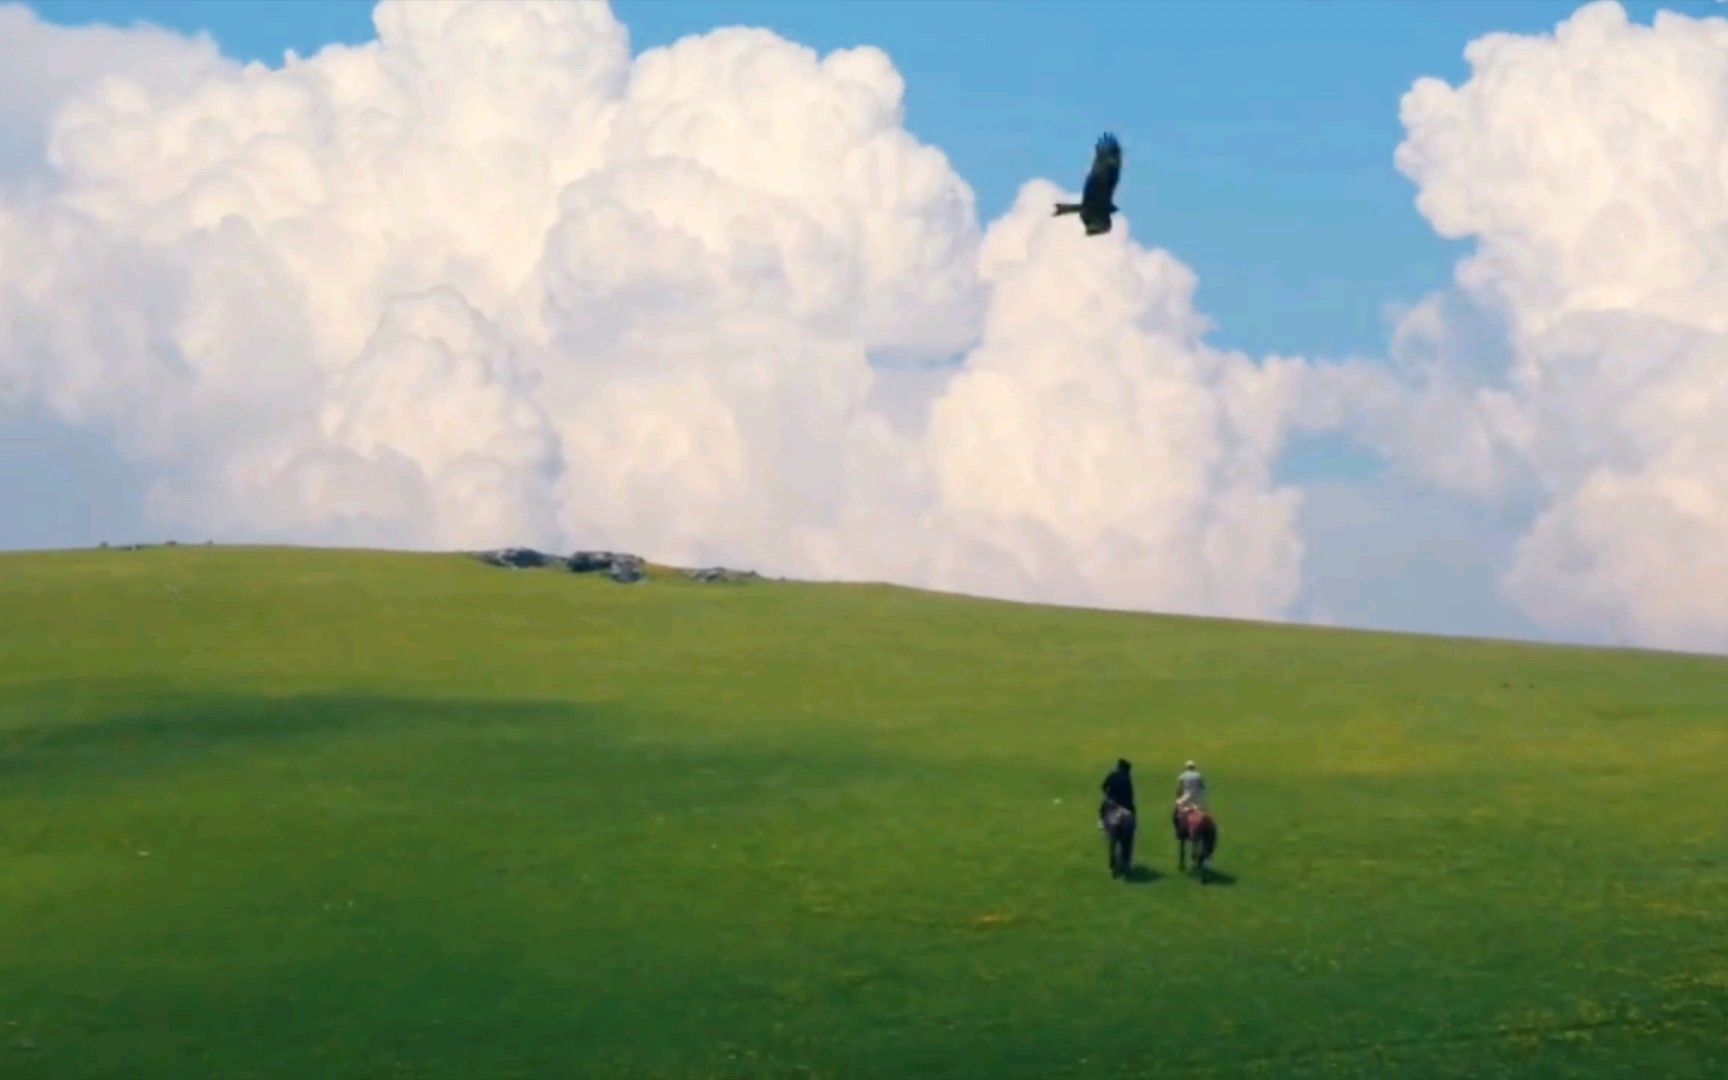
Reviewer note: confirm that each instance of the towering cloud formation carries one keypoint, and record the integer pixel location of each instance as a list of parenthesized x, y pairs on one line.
[(1591, 165), (491, 279)]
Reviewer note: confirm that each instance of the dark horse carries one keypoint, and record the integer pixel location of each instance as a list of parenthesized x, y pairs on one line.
[(1119, 834), (1195, 826)]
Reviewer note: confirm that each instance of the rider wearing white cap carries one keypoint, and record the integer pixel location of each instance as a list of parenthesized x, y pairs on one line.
[(1190, 787)]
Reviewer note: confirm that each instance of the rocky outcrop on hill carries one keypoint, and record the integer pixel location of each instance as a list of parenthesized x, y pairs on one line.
[(618, 566), (518, 558), (720, 573), (106, 546)]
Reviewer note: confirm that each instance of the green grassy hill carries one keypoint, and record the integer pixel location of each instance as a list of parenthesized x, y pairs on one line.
[(290, 813)]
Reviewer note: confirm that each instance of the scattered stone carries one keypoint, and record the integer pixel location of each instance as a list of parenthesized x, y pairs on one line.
[(618, 566), (720, 573), (517, 558)]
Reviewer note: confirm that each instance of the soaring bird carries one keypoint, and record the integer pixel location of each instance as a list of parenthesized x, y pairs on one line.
[(1095, 205)]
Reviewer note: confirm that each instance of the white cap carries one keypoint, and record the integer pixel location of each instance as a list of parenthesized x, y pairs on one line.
[(1190, 765)]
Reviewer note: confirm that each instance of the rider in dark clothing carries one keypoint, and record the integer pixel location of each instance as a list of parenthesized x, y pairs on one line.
[(1118, 788)]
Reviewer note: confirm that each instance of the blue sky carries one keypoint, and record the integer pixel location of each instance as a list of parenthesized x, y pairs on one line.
[(1259, 133)]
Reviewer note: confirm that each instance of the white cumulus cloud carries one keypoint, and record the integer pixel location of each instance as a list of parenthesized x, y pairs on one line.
[(42, 65), (1590, 165), (493, 279)]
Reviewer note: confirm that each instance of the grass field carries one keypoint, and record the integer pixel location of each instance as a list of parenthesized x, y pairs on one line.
[(288, 813)]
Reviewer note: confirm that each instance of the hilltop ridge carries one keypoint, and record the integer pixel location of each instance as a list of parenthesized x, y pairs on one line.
[(628, 568)]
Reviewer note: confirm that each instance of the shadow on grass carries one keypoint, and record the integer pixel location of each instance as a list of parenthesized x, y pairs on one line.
[(1216, 877), (1142, 875), (168, 729), (55, 733)]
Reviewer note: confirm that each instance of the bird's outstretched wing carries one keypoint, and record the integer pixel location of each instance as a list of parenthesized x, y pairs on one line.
[(1106, 166)]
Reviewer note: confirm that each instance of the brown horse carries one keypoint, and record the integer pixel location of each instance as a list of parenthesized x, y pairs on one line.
[(1194, 825), (1119, 835)]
